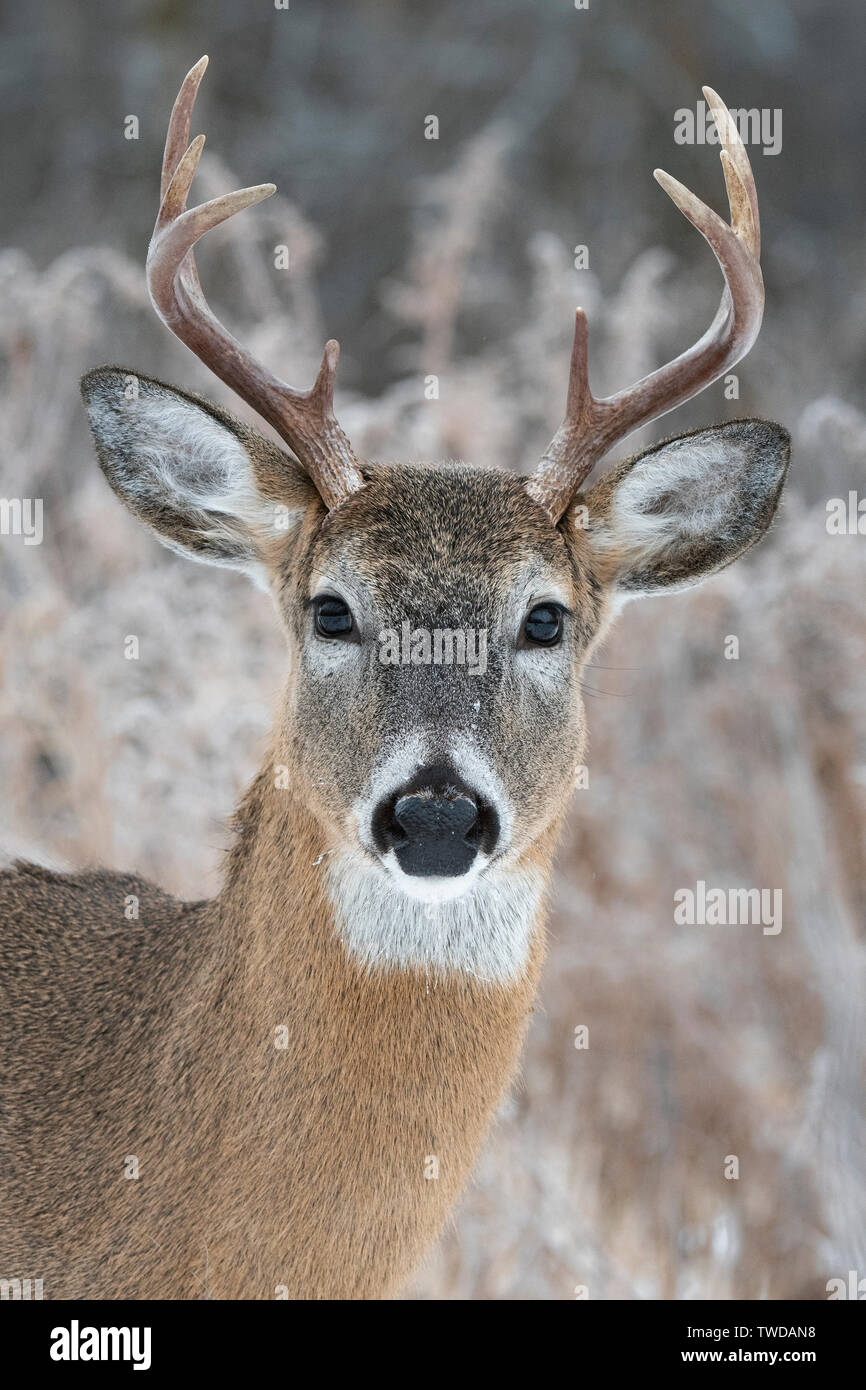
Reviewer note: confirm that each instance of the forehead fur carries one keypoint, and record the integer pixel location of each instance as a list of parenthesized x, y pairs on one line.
[(414, 526)]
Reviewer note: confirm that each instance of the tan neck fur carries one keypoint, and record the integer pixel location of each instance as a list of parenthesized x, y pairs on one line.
[(327, 1143)]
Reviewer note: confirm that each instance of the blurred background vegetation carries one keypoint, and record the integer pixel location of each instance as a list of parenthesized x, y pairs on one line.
[(455, 257)]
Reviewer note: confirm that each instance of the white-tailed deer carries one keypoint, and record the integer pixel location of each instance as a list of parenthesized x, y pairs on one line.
[(302, 1069)]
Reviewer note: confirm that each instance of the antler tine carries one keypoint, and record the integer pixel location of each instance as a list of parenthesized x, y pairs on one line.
[(591, 426), (304, 419), (177, 137), (739, 179)]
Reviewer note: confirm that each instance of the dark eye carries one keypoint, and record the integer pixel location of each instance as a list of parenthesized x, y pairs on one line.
[(543, 626), (333, 617)]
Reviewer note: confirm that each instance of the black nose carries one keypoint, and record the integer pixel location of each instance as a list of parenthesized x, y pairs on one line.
[(432, 834), (435, 825)]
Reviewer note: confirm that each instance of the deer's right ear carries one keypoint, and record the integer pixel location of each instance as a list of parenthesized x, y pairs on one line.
[(209, 486)]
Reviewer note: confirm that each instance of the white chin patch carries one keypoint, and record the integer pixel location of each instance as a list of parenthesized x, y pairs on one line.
[(434, 890), (479, 924)]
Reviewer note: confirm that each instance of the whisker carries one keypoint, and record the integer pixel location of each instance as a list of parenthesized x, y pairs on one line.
[(614, 694)]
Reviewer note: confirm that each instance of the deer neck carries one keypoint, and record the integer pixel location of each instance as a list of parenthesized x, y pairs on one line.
[(377, 1074)]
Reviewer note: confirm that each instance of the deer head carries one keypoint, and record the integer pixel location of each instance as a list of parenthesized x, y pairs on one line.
[(431, 775)]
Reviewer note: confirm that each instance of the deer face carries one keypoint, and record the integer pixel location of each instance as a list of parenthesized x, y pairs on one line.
[(440, 624), (438, 619)]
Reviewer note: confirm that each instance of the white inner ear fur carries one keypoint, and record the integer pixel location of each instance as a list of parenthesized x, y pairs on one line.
[(698, 483), (199, 466), (202, 465), (185, 460)]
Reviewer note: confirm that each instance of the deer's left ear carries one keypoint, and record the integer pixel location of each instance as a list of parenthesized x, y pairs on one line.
[(686, 508)]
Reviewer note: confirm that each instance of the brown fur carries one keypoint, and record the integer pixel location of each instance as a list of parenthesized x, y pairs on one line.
[(260, 1168), (300, 1170)]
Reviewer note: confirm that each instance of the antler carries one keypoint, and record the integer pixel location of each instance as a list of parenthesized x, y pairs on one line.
[(304, 419), (591, 426)]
